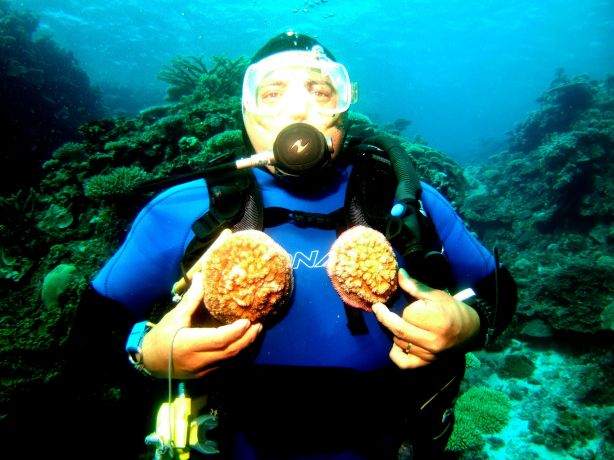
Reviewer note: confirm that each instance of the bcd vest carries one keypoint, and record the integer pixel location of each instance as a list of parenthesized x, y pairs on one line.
[(373, 189)]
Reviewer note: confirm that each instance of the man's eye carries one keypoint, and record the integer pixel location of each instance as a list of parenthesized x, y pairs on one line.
[(270, 95), (321, 92)]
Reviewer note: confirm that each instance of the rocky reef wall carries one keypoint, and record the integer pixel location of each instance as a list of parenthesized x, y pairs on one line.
[(554, 212)]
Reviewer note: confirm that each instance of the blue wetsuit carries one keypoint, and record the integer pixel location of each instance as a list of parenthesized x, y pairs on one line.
[(314, 333), (162, 231)]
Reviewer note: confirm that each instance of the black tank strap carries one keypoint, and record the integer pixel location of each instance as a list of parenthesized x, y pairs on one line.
[(235, 202), (274, 216)]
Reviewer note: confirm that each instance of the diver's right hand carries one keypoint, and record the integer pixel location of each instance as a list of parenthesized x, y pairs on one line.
[(196, 351)]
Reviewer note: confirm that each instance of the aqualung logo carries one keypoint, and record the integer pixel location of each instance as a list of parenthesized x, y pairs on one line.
[(299, 146), (312, 261)]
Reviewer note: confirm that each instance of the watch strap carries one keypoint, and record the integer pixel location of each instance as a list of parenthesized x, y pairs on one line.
[(134, 345), (485, 311)]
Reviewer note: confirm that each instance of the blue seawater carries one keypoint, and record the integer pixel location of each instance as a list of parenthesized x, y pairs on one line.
[(463, 71)]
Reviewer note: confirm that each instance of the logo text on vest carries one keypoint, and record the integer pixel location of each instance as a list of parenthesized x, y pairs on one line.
[(312, 261)]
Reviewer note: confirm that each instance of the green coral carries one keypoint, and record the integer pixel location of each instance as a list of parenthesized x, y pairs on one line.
[(186, 74), (55, 284), (189, 145), (225, 79), (69, 152), (116, 184), (516, 367), (478, 411), (182, 75), (472, 361), (55, 218), (465, 435), (216, 146), (227, 140)]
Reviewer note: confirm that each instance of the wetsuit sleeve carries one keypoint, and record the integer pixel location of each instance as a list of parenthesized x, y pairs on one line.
[(473, 266), (147, 264)]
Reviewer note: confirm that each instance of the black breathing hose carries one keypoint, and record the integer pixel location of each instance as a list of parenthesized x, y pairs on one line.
[(408, 187), (164, 182), (407, 194)]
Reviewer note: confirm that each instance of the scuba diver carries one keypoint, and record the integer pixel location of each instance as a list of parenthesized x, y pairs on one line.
[(324, 380)]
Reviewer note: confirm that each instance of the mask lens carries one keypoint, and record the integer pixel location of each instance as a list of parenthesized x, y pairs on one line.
[(292, 76)]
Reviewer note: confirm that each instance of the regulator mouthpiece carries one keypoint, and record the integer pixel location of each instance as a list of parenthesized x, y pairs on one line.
[(300, 150)]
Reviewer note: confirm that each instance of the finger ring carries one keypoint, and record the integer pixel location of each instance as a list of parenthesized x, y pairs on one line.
[(408, 347)]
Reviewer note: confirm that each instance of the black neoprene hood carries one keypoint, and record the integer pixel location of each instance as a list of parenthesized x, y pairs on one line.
[(288, 41)]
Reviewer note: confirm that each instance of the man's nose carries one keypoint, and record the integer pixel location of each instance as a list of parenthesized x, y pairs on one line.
[(298, 104)]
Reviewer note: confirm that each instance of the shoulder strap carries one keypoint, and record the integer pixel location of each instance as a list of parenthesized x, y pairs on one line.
[(234, 202)]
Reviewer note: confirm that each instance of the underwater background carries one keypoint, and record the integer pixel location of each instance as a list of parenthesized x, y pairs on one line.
[(507, 107), (464, 72)]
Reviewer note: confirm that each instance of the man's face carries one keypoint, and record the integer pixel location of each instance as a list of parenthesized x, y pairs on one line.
[(294, 93)]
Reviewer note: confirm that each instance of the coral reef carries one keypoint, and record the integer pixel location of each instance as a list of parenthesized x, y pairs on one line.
[(120, 182), (479, 411), (45, 97), (554, 227), (74, 214), (186, 74), (555, 206)]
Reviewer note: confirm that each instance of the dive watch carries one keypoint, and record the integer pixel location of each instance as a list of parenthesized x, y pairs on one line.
[(134, 345)]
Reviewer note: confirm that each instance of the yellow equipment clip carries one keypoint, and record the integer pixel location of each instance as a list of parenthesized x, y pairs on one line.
[(177, 431)]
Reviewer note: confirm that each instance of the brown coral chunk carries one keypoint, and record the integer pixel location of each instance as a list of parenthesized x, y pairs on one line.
[(247, 276), (363, 267)]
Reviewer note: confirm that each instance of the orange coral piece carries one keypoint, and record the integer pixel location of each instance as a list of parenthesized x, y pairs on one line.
[(248, 275), (363, 267)]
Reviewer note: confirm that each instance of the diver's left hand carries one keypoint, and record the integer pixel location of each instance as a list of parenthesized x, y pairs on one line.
[(433, 325)]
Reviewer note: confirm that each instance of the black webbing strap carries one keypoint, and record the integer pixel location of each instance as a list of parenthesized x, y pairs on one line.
[(274, 216)]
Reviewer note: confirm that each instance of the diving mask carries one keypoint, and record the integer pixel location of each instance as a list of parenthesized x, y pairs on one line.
[(272, 83)]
